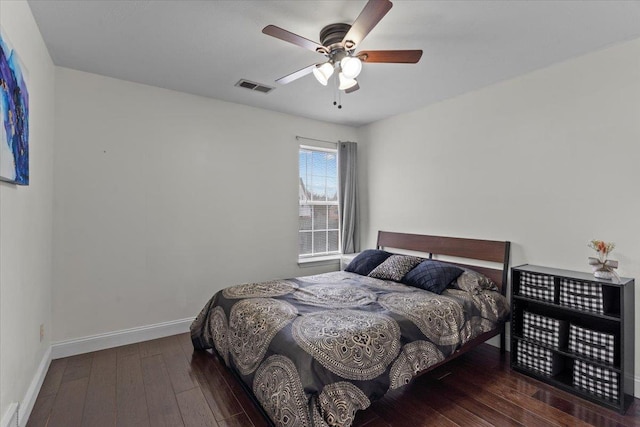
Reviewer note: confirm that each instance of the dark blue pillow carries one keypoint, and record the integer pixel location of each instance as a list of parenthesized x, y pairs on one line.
[(366, 261), (432, 275)]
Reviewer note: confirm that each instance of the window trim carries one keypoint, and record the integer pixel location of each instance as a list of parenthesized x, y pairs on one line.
[(318, 148), (326, 257), (312, 261)]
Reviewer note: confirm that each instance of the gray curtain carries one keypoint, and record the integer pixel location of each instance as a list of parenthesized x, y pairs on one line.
[(348, 164)]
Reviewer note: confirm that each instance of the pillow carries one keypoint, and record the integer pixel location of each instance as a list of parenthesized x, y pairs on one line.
[(367, 261), (472, 281), (395, 267), (432, 275)]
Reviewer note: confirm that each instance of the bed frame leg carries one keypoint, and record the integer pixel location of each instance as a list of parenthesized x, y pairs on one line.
[(503, 340)]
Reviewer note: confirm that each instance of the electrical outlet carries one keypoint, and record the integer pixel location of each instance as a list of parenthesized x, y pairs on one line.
[(41, 332)]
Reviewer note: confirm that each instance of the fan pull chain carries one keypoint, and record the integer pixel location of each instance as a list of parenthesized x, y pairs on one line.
[(336, 90)]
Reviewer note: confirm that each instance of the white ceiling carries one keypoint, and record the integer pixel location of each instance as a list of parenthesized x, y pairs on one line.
[(205, 47)]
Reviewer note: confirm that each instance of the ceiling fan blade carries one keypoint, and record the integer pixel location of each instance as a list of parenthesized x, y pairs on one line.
[(391, 56), (352, 88), (288, 36), (372, 13), (296, 75)]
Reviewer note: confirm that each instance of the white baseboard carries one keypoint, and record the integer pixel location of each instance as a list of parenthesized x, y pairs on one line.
[(117, 338), (10, 418), (18, 414), (34, 388)]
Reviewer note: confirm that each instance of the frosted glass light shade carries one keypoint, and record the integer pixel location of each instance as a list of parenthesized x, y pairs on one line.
[(345, 82), (323, 72), (351, 66)]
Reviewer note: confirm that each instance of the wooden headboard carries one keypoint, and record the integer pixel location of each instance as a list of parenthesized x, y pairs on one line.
[(473, 249)]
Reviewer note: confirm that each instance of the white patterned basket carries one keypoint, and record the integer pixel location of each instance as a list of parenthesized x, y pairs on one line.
[(594, 379), (544, 329), (594, 344), (582, 295), (537, 286), (538, 359)]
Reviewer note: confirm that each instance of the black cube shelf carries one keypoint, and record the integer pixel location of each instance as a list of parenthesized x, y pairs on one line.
[(601, 313)]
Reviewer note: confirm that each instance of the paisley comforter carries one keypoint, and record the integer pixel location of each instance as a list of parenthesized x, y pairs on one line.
[(316, 349)]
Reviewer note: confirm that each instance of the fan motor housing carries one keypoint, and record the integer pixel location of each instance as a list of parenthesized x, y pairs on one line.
[(331, 36)]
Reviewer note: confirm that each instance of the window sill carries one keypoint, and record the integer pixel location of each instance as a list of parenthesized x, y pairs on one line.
[(319, 260)]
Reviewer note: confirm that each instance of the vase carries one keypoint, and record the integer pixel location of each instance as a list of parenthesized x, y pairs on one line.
[(603, 274), (603, 267)]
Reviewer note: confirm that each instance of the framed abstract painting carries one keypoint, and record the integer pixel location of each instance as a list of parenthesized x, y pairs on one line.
[(14, 117)]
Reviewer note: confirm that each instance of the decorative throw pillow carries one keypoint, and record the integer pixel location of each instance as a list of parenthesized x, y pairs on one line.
[(395, 267), (472, 281), (432, 275), (367, 261)]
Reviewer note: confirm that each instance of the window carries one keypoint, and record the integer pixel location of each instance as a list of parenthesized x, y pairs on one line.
[(319, 218)]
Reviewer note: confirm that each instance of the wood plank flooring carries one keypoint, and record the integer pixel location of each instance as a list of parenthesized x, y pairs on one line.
[(165, 383)]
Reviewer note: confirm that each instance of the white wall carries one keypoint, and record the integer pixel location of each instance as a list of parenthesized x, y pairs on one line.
[(163, 198), (26, 220), (549, 161)]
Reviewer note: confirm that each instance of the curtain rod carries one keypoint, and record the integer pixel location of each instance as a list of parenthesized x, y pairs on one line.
[(319, 140)]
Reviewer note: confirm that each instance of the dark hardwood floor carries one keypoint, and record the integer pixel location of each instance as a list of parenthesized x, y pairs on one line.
[(165, 383)]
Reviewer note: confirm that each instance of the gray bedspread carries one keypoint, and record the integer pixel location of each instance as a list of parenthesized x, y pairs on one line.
[(316, 349)]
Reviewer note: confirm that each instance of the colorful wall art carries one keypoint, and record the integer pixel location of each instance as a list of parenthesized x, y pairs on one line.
[(14, 117)]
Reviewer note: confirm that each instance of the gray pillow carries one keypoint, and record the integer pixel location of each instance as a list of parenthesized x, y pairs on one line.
[(472, 281), (395, 267)]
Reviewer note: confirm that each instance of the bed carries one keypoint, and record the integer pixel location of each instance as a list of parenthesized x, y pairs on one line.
[(312, 351)]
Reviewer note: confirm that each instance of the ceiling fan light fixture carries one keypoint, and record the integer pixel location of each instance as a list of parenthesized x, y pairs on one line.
[(345, 82), (351, 66), (323, 72), (338, 43)]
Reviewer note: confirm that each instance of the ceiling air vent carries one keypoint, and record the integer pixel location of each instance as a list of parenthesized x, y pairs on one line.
[(258, 87)]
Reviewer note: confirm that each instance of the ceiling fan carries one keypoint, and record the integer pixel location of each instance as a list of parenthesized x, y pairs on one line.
[(339, 42)]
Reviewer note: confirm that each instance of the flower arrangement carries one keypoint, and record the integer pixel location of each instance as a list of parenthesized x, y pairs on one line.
[(603, 267), (603, 248)]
